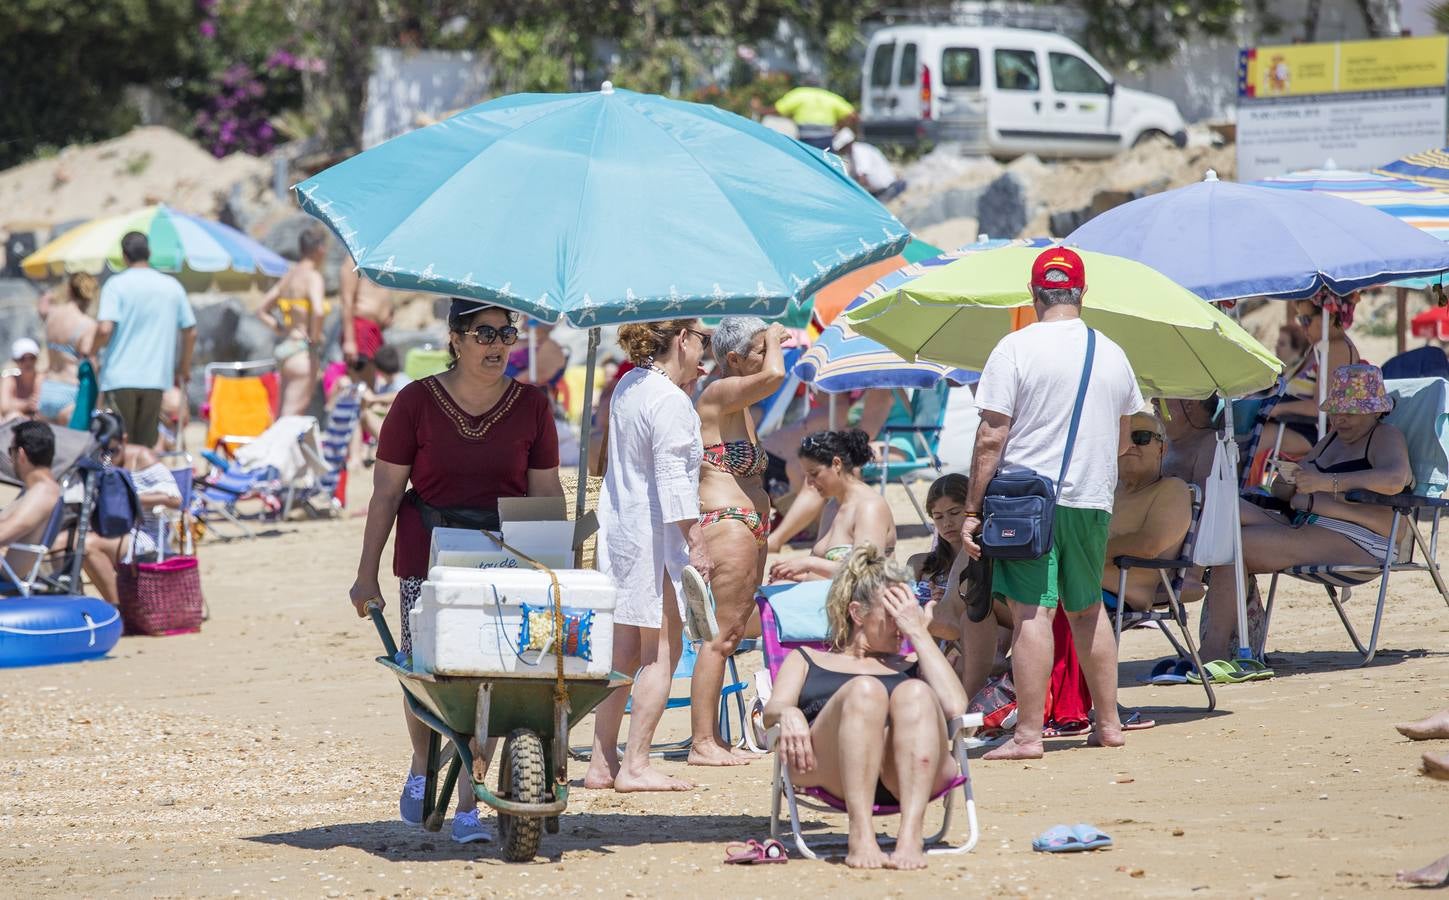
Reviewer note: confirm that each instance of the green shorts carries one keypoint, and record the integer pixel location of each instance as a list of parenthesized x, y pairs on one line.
[(1071, 571)]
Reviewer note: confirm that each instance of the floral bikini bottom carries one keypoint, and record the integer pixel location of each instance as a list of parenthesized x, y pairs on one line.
[(748, 517)]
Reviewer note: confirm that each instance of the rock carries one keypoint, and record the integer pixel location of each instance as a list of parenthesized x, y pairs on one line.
[(18, 316), (227, 332), (954, 203), (950, 234), (1004, 206)]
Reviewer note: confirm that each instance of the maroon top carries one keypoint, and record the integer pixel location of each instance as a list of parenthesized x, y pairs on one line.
[(461, 460)]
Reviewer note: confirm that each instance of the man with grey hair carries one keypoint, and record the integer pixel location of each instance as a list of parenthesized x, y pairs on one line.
[(1027, 396)]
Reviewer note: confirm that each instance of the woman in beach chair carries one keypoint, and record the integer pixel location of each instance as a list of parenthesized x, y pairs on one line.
[(735, 512), (863, 722), (1307, 521), (1300, 397), (832, 461)]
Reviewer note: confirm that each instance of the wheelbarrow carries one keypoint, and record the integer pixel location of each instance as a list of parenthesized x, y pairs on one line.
[(533, 788)]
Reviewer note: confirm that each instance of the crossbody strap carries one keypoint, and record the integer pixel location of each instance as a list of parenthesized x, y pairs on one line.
[(1077, 408)]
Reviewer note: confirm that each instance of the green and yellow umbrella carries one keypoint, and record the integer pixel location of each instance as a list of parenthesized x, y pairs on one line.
[(1179, 345)]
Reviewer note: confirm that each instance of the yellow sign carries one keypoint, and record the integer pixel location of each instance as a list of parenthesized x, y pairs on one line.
[(1386, 65)]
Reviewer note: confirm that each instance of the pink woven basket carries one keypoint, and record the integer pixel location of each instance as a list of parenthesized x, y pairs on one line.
[(161, 598)]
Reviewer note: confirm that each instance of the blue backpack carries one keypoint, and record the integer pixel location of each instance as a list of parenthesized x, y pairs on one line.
[(118, 507)]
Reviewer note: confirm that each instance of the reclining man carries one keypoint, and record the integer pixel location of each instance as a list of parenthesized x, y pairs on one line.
[(23, 521), (1150, 513)]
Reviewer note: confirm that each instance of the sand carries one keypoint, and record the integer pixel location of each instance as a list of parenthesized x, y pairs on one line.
[(263, 757)]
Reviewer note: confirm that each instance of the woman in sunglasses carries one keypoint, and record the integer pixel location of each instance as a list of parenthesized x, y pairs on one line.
[(453, 444)]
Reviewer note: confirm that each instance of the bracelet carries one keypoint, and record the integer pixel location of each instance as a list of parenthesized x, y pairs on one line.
[(1335, 485), (972, 514)]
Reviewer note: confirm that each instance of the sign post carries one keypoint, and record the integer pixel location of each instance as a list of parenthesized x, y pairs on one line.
[(1357, 103)]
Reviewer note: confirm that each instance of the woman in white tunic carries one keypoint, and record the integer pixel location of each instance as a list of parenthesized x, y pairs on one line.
[(648, 532)]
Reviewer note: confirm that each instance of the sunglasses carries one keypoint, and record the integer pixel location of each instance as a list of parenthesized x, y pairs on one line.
[(1143, 438), (487, 334), (705, 338)]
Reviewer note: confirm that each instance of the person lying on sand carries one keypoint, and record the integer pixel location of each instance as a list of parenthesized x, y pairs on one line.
[(863, 722)]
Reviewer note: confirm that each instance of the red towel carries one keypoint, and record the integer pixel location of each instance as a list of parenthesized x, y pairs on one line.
[(1068, 700)]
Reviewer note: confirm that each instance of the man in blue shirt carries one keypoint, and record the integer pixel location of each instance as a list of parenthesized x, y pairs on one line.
[(142, 312)]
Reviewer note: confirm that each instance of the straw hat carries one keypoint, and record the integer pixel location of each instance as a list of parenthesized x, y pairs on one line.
[(1357, 390)]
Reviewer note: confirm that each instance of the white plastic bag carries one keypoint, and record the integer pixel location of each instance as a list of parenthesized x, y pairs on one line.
[(1215, 538)]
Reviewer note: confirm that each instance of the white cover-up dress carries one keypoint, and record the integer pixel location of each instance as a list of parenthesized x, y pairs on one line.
[(652, 482)]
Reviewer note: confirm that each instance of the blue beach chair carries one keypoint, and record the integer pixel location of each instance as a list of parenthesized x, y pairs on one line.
[(913, 429)]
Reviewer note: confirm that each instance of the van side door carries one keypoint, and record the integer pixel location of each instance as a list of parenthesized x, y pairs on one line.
[(1016, 111), (880, 87), (1080, 106), (961, 101)]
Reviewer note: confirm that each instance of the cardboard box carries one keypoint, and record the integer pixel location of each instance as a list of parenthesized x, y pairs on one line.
[(538, 527)]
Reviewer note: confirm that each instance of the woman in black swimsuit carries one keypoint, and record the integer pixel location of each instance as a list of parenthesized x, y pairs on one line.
[(864, 722), (1361, 452)]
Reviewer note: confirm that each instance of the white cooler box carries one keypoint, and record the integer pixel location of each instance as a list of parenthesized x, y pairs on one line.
[(457, 630)]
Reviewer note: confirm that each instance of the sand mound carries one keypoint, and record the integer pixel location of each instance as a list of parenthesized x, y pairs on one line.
[(147, 165)]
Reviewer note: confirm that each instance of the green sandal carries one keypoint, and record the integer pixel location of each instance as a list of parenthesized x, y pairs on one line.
[(1237, 671)]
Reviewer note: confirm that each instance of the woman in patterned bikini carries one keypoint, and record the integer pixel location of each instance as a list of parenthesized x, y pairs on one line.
[(736, 514), (453, 444)]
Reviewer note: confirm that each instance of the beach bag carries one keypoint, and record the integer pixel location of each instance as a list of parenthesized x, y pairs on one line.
[(1019, 508), (118, 507), (996, 702), (1216, 530), (161, 598)]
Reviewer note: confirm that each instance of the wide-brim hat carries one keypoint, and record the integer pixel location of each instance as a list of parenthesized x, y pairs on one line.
[(1357, 389)]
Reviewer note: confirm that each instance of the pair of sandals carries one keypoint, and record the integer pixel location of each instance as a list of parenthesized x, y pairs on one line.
[(752, 852), (1176, 670), (1071, 839)]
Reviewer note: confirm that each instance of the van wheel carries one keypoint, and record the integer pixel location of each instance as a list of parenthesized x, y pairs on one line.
[(1151, 134)]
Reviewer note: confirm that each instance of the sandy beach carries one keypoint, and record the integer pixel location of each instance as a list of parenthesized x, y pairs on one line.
[(263, 757)]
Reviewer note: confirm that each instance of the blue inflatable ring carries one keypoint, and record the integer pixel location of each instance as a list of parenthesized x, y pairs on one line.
[(36, 631)]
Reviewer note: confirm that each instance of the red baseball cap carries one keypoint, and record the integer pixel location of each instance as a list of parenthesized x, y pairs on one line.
[(1059, 259)]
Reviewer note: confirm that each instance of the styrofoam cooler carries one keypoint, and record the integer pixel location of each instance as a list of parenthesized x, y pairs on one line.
[(457, 628)]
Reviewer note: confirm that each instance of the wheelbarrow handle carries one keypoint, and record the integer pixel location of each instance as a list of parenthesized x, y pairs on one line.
[(374, 609)]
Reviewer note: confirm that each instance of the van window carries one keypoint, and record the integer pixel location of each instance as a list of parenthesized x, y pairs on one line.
[(1072, 75), (907, 72), (961, 67), (880, 65), (1016, 70)]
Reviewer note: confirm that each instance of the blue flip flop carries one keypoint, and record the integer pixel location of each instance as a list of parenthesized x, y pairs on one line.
[(1172, 670), (1090, 837), (1057, 839)]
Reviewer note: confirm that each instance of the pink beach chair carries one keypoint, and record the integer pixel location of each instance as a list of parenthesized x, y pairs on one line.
[(793, 616)]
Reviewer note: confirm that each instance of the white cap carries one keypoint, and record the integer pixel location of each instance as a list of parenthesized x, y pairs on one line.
[(24, 347), (843, 138)]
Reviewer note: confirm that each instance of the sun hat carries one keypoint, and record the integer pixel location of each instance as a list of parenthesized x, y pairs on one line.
[(24, 347), (1357, 389), (1062, 260)]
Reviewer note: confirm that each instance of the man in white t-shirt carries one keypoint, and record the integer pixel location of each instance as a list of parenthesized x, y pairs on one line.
[(1026, 396), (867, 165)]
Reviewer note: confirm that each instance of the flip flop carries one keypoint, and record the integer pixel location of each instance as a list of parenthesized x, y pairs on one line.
[(753, 852), (1057, 839), (1133, 721), (1066, 729), (699, 620), (1172, 670), (1091, 837), (1220, 671), (1252, 669)]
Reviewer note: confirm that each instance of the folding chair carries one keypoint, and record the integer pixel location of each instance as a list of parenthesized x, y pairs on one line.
[(1166, 607), (338, 433), (918, 436), (793, 616), (241, 402), (25, 584), (1421, 412), (185, 476)]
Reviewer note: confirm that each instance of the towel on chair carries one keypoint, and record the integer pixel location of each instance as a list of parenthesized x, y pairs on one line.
[(799, 610), (280, 447)]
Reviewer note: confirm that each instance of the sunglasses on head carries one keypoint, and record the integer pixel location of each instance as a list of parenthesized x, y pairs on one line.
[(1143, 438), (487, 334)]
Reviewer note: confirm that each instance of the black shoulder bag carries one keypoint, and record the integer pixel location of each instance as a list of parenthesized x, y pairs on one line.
[(1018, 509)]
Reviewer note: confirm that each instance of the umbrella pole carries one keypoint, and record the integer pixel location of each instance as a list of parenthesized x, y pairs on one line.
[(1323, 379), (533, 355), (1401, 308), (1240, 575), (830, 412), (585, 426)]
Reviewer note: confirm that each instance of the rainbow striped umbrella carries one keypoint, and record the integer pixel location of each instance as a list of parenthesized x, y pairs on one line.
[(181, 243), (842, 360), (1409, 201)]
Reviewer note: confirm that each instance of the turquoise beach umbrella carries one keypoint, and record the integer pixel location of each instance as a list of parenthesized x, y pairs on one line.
[(603, 208)]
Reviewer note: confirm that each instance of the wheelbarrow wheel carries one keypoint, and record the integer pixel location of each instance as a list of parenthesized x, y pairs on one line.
[(523, 778)]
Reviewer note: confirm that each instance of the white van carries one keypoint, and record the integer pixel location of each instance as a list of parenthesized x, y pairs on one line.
[(1003, 91)]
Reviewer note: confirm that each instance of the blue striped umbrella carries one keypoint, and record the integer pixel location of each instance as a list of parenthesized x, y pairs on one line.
[(1409, 201), (1429, 167), (842, 360)]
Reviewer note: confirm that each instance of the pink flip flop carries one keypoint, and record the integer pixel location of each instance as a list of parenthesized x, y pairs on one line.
[(752, 852)]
